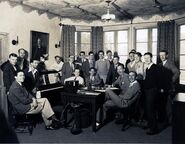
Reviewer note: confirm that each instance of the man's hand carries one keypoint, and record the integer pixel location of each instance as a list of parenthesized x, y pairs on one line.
[(35, 104)]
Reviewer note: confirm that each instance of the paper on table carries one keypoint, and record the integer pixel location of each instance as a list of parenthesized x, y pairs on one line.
[(92, 93)]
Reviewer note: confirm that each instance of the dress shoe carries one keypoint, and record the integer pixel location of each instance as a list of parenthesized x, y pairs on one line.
[(51, 127), (152, 132)]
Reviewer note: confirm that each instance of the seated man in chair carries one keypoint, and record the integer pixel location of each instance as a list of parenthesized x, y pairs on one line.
[(25, 103), (126, 99)]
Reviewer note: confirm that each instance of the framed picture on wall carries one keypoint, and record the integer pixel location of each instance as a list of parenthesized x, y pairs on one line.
[(39, 44)]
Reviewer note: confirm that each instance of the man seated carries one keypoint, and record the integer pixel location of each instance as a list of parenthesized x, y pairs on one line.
[(123, 100), (76, 77), (25, 103), (93, 78)]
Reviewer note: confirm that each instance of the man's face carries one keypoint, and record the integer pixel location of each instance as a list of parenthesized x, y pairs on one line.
[(109, 55), (115, 60), (137, 58), (132, 77), (82, 55), (101, 56), (147, 59), (131, 56), (92, 72), (58, 60), (163, 56), (13, 60), (22, 54), (34, 64), (20, 77), (120, 70), (77, 72), (71, 59), (91, 56)]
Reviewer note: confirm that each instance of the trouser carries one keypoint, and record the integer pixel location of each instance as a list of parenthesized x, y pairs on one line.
[(44, 108), (151, 107)]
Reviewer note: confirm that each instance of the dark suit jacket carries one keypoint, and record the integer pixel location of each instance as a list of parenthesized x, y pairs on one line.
[(8, 75), (67, 71), (84, 67), (30, 82), (168, 75), (20, 98), (25, 63), (112, 75), (96, 82), (152, 77)]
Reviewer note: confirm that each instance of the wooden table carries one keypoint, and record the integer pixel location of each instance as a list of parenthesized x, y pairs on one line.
[(96, 99)]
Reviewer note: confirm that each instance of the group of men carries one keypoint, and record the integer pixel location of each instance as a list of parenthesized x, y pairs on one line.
[(156, 82)]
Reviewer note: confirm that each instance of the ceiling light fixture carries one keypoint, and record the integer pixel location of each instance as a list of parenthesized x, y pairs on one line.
[(108, 16)]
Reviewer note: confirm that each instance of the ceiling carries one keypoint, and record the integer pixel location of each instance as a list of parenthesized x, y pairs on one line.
[(90, 10)]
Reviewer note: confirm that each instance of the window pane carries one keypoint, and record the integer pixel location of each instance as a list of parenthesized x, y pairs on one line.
[(154, 34), (109, 46), (182, 62), (122, 49), (182, 77), (142, 48), (142, 35), (123, 59), (86, 48), (122, 36), (109, 37), (182, 47), (154, 59), (154, 48), (85, 37), (182, 32)]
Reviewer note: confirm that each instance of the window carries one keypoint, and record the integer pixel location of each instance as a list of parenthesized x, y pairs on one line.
[(117, 41), (182, 54), (82, 42), (146, 41)]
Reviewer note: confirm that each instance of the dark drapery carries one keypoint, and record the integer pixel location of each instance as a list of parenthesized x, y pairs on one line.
[(166, 38), (97, 39), (68, 41)]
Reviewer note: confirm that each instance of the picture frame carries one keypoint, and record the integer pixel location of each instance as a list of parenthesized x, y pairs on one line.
[(39, 44)]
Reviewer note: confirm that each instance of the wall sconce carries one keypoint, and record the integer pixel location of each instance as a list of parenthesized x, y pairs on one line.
[(57, 45), (15, 42)]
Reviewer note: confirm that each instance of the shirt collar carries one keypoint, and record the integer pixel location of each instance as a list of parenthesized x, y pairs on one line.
[(164, 62), (150, 65), (19, 83), (31, 70)]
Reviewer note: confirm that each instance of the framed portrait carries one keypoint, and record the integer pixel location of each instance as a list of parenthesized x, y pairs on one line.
[(39, 44)]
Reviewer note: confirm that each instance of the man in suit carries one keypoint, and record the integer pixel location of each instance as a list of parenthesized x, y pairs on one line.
[(22, 62), (169, 75), (93, 78), (109, 56), (83, 64), (151, 96), (91, 59), (9, 71), (25, 103), (68, 68), (113, 75), (32, 77)]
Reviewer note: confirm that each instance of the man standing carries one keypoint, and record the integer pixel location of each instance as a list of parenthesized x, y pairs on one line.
[(168, 78), (22, 62), (150, 89), (9, 71)]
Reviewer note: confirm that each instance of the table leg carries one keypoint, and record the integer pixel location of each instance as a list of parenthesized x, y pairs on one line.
[(94, 117)]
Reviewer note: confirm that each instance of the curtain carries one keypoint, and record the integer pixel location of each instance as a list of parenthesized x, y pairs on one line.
[(166, 38), (68, 41), (97, 39)]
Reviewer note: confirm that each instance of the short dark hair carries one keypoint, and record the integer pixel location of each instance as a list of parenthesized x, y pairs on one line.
[(131, 52), (18, 71), (34, 59), (139, 54), (57, 56), (148, 53), (122, 65), (108, 51), (21, 49), (100, 51), (82, 52), (116, 57), (165, 51), (134, 73), (13, 55), (91, 52)]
